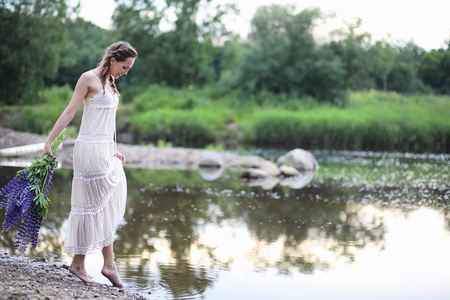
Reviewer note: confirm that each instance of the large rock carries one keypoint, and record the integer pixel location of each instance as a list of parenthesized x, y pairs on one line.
[(254, 173), (210, 159), (267, 183), (256, 162), (288, 171), (299, 159)]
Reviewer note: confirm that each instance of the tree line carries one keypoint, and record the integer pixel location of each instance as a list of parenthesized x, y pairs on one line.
[(185, 43)]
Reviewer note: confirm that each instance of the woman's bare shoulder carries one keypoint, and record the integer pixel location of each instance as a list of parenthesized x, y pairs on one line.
[(91, 82)]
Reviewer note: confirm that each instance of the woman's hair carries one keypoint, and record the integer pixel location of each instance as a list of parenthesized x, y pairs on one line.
[(120, 51)]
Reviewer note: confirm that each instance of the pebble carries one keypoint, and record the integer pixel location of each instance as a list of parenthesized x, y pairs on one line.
[(23, 278)]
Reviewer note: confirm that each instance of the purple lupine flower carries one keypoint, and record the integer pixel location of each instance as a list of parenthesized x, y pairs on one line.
[(48, 181), (17, 202), (34, 226), (29, 230), (26, 198)]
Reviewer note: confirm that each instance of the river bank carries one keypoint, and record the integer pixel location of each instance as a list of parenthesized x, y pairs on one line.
[(137, 156), (24, 278)]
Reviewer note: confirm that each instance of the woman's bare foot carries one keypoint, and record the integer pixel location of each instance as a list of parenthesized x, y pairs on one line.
[(82, 274), (113, 276)]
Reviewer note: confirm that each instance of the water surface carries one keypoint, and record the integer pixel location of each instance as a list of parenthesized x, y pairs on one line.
[(367, 226)]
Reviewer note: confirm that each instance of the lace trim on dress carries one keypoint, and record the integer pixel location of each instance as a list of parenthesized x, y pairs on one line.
[(94, 209), (94, 104), (92, 175), (95, 138), (108, 100), (91, 249)]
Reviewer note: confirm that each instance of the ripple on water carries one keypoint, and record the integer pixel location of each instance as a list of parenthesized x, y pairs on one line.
[(172, 281)]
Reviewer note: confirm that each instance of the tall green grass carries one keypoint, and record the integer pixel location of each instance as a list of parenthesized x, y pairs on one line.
[(181, 128), (157, 97), (371, 121), (200, 117)]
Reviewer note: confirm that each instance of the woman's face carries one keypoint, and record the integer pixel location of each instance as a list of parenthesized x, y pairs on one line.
[(120, 68)]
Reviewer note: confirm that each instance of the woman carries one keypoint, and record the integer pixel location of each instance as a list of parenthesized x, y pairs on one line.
[(99, 188)]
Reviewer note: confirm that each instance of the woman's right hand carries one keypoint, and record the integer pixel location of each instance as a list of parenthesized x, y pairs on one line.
[(47, 150)]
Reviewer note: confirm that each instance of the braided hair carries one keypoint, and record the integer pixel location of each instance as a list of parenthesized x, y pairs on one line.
[(120, 51)]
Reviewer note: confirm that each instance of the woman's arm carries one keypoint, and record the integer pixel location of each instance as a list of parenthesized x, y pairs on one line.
[(80, 92)]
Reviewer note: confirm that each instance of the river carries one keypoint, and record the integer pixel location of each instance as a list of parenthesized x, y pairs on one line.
[(367, 226)]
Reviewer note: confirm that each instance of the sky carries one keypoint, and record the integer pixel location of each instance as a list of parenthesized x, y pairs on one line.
[(426, 23)]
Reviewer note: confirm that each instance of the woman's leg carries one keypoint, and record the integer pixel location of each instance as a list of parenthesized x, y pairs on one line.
[(109, 269), (77, 268)]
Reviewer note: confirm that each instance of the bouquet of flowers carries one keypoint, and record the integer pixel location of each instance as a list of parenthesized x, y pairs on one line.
[(26, 198)]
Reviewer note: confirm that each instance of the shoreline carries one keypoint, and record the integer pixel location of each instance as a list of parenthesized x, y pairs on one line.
[(27, 278), (137, 156)]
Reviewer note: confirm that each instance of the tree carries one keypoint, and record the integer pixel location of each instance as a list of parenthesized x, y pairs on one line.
[(404, 77), (31, 44), (137, 22), (181, 55), (283, 58), (434, 70), (352, 49), (86, 45), (382, 57)]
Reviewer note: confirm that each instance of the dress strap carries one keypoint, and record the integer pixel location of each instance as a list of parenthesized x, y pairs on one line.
[(101, 84)]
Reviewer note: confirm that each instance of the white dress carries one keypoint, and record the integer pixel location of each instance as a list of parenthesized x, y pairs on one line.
[(99, 187)]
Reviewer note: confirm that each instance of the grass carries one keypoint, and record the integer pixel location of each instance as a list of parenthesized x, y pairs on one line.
[(203, 118), (371, 121)]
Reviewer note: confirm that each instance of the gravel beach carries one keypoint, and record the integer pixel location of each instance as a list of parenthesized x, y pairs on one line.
[(24, 278)]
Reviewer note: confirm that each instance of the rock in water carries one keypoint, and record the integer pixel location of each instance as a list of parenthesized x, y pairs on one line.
[(299, 159), (210, 159)]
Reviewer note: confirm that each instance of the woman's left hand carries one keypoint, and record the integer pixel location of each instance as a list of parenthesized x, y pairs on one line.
[(120, 156)]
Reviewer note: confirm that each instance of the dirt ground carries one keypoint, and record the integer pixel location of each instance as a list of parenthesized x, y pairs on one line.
[(24, 278)]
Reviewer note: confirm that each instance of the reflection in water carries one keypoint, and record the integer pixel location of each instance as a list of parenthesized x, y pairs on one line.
[(299, 181), (210, 173), (345, 234)]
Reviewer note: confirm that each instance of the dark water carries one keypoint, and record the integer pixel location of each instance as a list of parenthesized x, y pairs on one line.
[(367, 226)]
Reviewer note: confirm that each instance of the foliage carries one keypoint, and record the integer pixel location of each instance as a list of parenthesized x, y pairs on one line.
[(55, 95), (32, 41), (137, 22), (85, 47), (181, 128), (40, 117), (351, 46), (283, 58), (372, 121), (404, 77), (156, 97), (36, 119), (434, 70), (382, 61), (180, 56)]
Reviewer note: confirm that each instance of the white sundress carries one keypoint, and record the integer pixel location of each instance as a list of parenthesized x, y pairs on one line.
[(99, 187)]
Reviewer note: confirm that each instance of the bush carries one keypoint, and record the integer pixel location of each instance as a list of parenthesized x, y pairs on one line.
[(56, 95), (157, 97), (181, 128), (36, 120)]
